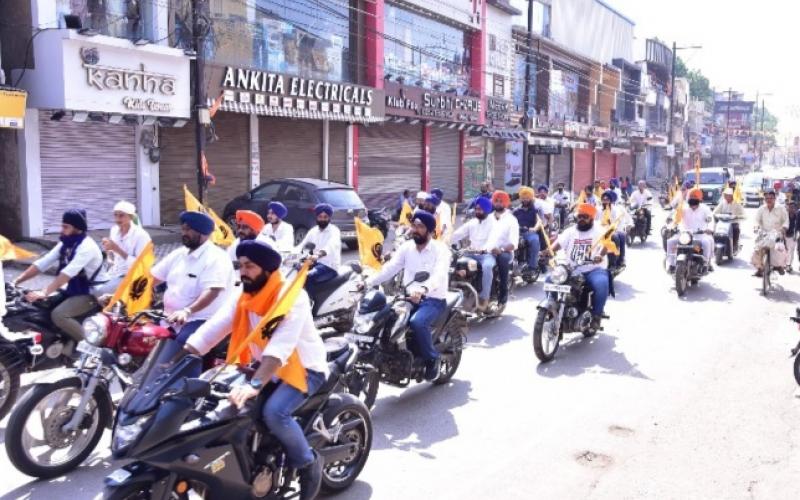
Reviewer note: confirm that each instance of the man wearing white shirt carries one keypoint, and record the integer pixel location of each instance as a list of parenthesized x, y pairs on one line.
[(477, 230), (562, 200), (503, 240), (278, 233), (327, 253), (695, 218), (642, 198), (199, 276), (248, 226), (422, 253), (544, 205), (80, 264), (125, 242), (443, 211), (301, 374)]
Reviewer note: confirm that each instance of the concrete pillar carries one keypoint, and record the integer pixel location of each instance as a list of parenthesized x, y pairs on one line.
[(255, 153), (30, 173), (373, 25), (147, 200)]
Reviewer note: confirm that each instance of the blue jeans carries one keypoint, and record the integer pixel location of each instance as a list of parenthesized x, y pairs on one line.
[(617, 260), (487, 263), (319, 273), (504, 268), (277, 413), (421, 321), (598, 281), (534, 246)]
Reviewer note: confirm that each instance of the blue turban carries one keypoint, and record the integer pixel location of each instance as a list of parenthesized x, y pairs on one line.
[(611, 195), (324, 208), (198, 221), (260, 253), (614, 182), (438, 193), (278, 209), (543, 187), (433, 200), (75, 217), (484, 203), (426, 218), (688, 184)]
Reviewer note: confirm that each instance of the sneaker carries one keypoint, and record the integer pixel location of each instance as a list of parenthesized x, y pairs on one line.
[(311, 478), (596, 323), (432, 369), (671, 270), (500, 308), (759, 274), (780, 271)]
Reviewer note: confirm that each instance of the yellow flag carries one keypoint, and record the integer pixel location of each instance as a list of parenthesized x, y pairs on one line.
[(678, 213), (606, 241), (697, 170), (136, 289), (10, 251), (437, 233), (737, 194), (370, 245), (581, 197), (405, 214), (274, 316), (222, 235)]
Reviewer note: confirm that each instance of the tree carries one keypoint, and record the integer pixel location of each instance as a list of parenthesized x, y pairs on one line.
[(699, 86)]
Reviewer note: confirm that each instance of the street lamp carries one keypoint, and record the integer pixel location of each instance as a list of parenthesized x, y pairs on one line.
[(675, 50), (760, 135)]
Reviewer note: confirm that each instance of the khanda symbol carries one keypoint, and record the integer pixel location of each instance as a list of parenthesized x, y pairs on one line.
[(377, 251), (269, 328), (223, 230), (138, 287)]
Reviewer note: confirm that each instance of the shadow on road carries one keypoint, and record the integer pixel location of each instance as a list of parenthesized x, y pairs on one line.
[(494, 332), (625, 291), (596, 355), (419, 417), (358, 491), (704, 292), (780, 294), (74, 480)]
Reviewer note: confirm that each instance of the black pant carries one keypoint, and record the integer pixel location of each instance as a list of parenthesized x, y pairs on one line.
[(736, 233)]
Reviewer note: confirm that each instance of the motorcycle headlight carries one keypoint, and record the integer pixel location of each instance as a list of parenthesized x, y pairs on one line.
[(685, 238), (95, 329), (559, 275), (472, 265), (363, 323), (125, 435)]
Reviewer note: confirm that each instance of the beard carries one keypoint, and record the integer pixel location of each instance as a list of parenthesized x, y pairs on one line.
[(254, 285), (585, 226), (419, 239), (480, 216), (190, 243), (323, 224), (244, 236), (527, 203), (499, 209)]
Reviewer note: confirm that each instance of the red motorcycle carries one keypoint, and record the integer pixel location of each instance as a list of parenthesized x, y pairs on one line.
[(59, 421)]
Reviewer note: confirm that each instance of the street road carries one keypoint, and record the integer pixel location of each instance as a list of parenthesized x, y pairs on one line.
[(678, 399)]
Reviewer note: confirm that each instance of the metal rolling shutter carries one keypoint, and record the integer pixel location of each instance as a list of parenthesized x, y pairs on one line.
[(560, 169), (290, 148), (390, 160), (337, 152), (228, 160), (540, 165), (582, 175), (89, 165), (605, 165), (499, 165), (624, 166), (445, 153)]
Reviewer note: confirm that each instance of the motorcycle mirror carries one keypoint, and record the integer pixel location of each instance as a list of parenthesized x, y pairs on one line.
[(421, 276), (356, 267), (310, 246), (195, 388)]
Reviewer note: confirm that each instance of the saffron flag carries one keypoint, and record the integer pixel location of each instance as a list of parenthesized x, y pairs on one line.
[(222, 235), (697, 170), (10, 251), (405, 214), (370, 245), (606, 242), (136, 289), (215, 106), (738, 197)]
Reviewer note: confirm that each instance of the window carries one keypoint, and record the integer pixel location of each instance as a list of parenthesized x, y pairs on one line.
[(518, 83), (499, 88), (425, 52), (541, 16), (267, 192), (117, 18), (295, 193), (341, 198), (492, 42)]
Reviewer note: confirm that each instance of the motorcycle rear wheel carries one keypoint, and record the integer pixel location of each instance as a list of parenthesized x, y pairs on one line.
[(9, 382), (365, 386), (767, 271), (20, 443), (544, 350), (681, 281), (339, 476), (797, 369), (453, 360)]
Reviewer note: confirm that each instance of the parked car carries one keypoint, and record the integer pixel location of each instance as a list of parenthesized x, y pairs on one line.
[(713, 182), (751, 188), (300, 195)]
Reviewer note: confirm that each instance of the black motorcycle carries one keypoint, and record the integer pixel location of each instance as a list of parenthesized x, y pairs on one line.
[(466, 275), (669, 230), (379, 217), (383, 334), (33, 343), (690, 263), (796, 350), (528, 273), (187, 441), (566, 308), (639, 227)]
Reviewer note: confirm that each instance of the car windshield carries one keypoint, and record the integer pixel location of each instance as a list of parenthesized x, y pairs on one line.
[(752, 181), (707, 177), (341, 198)]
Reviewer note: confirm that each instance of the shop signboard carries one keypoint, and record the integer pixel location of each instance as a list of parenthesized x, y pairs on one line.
[(513, 176), (474, 165), (417, 102), (499, 112), (545, 149), (12, 108)]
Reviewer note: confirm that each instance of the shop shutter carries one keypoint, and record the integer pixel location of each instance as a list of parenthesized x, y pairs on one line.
[(228, 159), (389, 161), (89, 165), (582, 175), (605, 165), (444, 161), (499, 164), (337, 152), (560, 169), (624, 166), (290, 148), (540, 165)]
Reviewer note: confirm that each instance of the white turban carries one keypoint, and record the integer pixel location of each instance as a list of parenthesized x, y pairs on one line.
[(125, 207)]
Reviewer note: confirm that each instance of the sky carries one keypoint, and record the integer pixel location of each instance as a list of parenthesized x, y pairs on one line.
[(750, 46)]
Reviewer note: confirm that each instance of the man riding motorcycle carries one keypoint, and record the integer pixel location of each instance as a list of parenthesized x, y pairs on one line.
[(544, 205), (694, 218), (477, 230), (80, 263), (729, 207), (642, 198), (502, 242), (562, 200), (277, 233), (611, 213), (294, 353), (580, 244), (126, 241), (486, 191), (327, 253), (248, 227), (528, 218), (770, 217), (443, 211), (432, 256)]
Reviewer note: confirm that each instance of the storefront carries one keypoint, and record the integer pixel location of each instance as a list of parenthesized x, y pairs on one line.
[(505, 144), (583, 169), (605, 167), (542, 153), (623, 161), (95, 103)]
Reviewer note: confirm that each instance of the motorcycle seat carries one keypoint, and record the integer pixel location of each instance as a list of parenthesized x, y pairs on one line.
[(322, 291), (336, 367), (450, 302)]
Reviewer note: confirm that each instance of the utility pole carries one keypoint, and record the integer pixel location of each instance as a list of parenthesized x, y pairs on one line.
[(727, 124), (674, 159), (761, 135), (202, 119), (527, 120)]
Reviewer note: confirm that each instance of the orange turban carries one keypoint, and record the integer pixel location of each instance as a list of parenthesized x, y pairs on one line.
[(250, 218), (696, 194), (525, 193), (501, 197), (587, 209)]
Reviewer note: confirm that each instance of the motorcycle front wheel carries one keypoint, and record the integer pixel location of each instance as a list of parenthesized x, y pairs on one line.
[(719, 256), (546, 336), (681, 280), (767, 271), (797, 369), (35, 441), (356, 424), (9, 381), (364, 384)]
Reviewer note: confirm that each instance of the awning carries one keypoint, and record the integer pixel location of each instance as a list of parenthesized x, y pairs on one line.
[(536, 140), (504, 134), (305, 114), (620, 151), (575, 144)]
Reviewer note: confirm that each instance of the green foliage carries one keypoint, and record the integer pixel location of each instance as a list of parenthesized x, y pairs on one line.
[(699, 86)]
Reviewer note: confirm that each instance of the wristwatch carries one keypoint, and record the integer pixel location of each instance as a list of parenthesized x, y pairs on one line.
[(256, 383)]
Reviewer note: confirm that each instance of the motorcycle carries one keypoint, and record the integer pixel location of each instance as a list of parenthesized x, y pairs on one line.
[(723, 239), (521, 270), (379, 217), (767, 241), (185, 440), (669, 230), (639, 227), (796, 350), (566, 308), (690, 263), (32, 343), (466, 276), (382, 334), (60, 420)]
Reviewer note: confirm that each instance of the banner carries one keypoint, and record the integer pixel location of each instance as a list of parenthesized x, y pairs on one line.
[(222, 235), (10, 251), (136, 289), (370, 245)]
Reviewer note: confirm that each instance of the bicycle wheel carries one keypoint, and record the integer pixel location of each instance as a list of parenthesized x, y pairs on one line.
[(767, 270)]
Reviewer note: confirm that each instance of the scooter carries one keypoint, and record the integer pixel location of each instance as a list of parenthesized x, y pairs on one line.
[(724, 245)]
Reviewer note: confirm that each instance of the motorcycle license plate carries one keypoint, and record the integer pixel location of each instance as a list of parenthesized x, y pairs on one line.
[(348, 234), (354, 337), (88, 348), (549, 287), (119, 476)]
